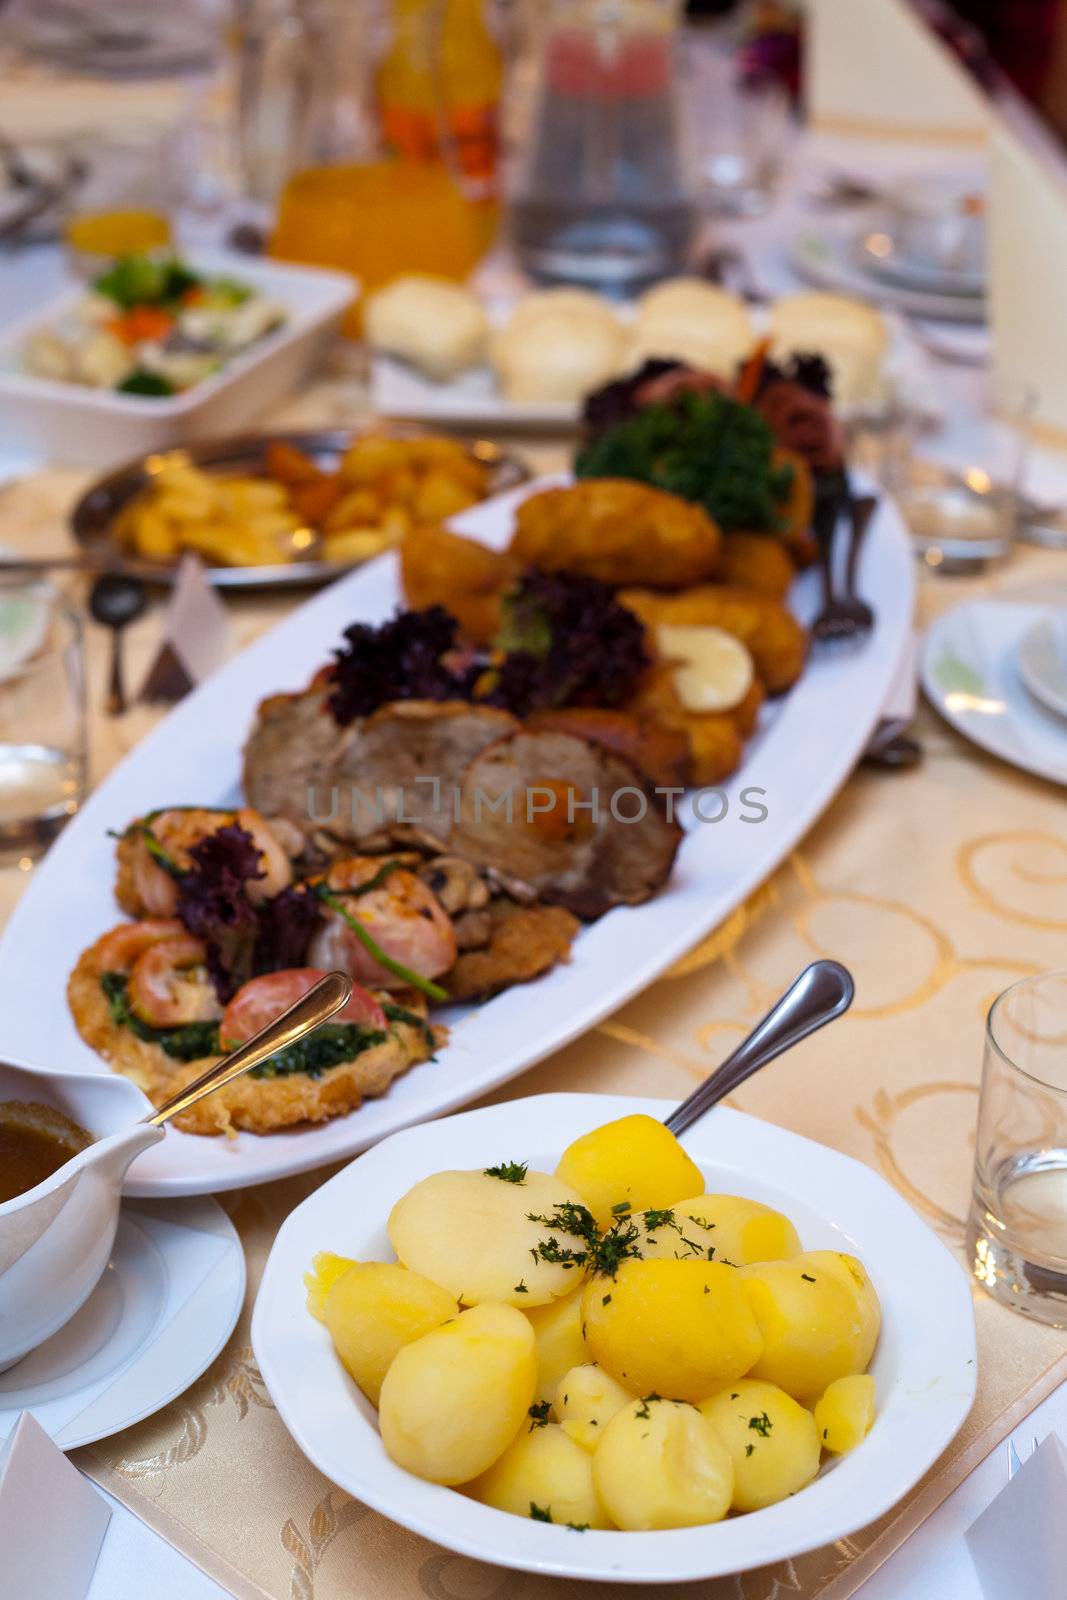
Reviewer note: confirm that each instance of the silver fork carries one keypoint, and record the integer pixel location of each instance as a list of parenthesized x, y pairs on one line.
[(844, 618)]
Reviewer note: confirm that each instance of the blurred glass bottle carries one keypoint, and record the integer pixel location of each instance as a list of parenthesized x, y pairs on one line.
[(602, 191), (400, 198)]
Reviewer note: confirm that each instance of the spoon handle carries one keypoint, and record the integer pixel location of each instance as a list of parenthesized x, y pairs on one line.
[(320, 1003), (115, 700), (822, 992)]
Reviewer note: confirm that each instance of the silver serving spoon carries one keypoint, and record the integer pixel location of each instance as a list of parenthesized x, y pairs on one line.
[(822, 992), (116, 600), (321, 1002)]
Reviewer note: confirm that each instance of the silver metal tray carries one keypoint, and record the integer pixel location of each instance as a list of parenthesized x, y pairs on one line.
[(94, 515)]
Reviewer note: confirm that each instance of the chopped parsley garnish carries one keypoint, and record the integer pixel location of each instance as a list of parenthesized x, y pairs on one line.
[(539, 1414), (659, 1219), (520, 1287), (618, 1244), (749, 1449), (606, 1301), (509, 1171), (540, 1513), (762, 1425), (568, 1218), (577, 1527), (647, 1400), (621, 1209), (807, 1277)]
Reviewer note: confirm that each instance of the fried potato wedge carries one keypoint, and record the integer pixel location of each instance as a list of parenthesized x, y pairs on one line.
[(618, 531), (439, 568), (776, 639)]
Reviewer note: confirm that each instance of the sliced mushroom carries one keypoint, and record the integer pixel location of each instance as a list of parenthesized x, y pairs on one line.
[(456, 882)]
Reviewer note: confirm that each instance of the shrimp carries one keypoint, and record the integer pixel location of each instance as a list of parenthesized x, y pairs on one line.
[(145, 885), (262, 999), (119, 949), (169, 985), (402, 915)]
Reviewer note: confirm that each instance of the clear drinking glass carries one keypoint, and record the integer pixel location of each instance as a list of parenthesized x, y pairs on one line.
[(1017, 1230), (740, 127), (42, 718)]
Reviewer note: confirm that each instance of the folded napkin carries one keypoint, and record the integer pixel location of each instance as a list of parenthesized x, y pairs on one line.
[(1027, 270), (197, 636), (874, 67), (52, 1521), (1019, 1543)]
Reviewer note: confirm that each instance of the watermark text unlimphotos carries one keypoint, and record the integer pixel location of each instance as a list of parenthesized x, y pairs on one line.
[(428, 797)]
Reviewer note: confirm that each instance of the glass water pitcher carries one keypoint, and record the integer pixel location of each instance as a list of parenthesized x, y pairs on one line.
[(601, 187)]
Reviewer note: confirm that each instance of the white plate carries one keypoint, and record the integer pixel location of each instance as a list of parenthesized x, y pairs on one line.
[(970, 675), (472, 399), (1041, 657), (826, 255), (69, 423), (167, 1303), (886, 262), (924, 1366), (807, 745)]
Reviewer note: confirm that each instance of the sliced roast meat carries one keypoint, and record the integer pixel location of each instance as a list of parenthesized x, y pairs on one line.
[(578, 822), (406, 761), (290, 754)]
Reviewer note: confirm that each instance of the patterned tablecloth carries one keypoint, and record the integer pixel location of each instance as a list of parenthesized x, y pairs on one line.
[(937, 887)]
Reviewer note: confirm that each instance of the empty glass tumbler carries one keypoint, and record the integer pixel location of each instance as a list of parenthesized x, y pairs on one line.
[(1017, 1232)]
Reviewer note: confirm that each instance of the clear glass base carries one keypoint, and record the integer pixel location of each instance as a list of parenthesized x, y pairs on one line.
[(1023, 1278)]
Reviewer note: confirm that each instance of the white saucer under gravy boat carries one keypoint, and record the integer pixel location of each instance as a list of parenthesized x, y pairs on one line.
[(56, 1238)]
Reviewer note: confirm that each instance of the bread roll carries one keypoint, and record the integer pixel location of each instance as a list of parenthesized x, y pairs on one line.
[(685, 319), (558, 345), (438, 326)]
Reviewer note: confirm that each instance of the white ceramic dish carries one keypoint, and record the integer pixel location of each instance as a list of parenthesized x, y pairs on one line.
[(826, 254), (1041, 656), (924, 1366), (159, 1316), (67, 423), (970, 674), (473, 400), (807, 745)]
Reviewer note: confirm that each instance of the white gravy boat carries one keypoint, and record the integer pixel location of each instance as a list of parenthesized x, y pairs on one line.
[(56, 1238)]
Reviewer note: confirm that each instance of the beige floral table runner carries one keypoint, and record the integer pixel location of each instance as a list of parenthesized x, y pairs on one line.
[(937, 887)]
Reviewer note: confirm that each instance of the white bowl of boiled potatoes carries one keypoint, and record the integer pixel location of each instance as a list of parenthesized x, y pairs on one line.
[(548, 1335)]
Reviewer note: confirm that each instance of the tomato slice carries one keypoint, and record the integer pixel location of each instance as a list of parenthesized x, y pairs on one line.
[(260, 1000)]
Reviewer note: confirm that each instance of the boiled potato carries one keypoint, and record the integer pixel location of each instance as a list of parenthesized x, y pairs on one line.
[(325, 1271), (814, 1329), (560, 1346), (719, 1227), (851, 1272), (680, 1328), (772, 1440), (629, 1165), (661, 1464), (471, 1232), (453, 1401), (375, 1309), (845, 1412), (543, 1471), (586, 1399)]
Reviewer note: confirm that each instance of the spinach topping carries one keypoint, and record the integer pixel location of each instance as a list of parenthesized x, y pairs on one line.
[(327, 1047)]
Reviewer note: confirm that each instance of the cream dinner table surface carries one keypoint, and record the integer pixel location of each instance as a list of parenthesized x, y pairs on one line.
[(937, 887)]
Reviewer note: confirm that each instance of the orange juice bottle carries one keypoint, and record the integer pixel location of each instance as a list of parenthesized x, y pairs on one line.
[(406, 84), (471, 73)]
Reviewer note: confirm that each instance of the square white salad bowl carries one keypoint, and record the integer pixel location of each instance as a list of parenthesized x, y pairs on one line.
[(924, 1365), (78, 426)]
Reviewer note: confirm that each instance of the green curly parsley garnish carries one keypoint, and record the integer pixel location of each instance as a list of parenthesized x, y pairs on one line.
[(509, 1171)]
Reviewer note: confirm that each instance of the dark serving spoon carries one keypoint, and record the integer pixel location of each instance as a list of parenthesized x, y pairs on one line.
[(115, 600)]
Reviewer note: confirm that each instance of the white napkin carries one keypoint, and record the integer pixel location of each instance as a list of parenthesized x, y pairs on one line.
[(52, 1522), (1027, 270), (874, 67), (1019, 1543), (197, 636)]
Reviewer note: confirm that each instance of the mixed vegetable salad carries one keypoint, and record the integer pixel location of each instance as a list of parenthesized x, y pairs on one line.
[(152, 325)]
